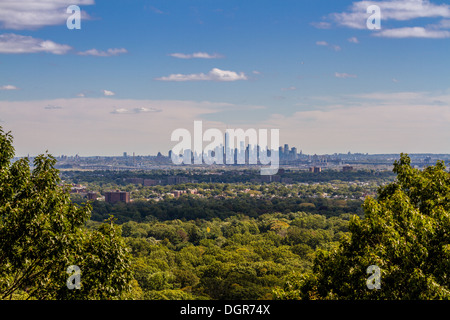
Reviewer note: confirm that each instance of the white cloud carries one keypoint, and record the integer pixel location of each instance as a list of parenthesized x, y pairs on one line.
[(51, 107), (344, 75), (107, 53), (120, 111), (213, 75), (32, 14), (410, 9), (292, 88), (196, 55), (400, 10), (8, 87), (413, 32), (396, 10), (15, 44), (143, 109), (353, 40), (134, 111), (321, 25), (326, 44), (395, 98), (155, 10), (445, 24), (108, 93)]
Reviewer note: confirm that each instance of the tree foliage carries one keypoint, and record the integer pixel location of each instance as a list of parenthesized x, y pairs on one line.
[(405, 232), (239, 257), (42, 233)]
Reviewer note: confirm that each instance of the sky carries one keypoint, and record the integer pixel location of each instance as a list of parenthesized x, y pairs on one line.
[(138, 70)]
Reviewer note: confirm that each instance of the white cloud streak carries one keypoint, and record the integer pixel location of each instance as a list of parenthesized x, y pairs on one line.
[(108, 93), (326, 44), (213, 75), (196, 55), (344, 75), (413, 32), (134, 111), (400, 10), (321, 25), (397, 10), (11, 43), (32, 14), (8, 87), (51, 107), (107, 53)]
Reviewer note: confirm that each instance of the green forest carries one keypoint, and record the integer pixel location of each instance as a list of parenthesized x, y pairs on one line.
[(233, 258)]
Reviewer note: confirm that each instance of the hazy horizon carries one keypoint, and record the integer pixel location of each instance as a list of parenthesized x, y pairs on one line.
[(137, 71)]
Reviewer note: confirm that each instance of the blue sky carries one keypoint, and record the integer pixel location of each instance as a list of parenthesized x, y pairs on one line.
[(138, 70)]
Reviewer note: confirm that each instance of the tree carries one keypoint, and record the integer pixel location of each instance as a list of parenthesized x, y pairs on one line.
[(42, 234), (405, 233)]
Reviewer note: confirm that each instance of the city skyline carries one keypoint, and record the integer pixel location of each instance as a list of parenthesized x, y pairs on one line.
[(137, 71)]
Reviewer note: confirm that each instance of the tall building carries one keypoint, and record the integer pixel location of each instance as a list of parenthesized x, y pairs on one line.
[(229, 151), (117, 196), (92, 196), (294, 153), (187, 156)]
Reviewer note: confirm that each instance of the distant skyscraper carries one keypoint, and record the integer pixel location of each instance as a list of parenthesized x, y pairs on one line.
[(229, 154), (187, 156), (286, 150), (294, 153)]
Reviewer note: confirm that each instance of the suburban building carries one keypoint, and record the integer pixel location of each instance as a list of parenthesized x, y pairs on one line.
[(347, 169), (117, 196)]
